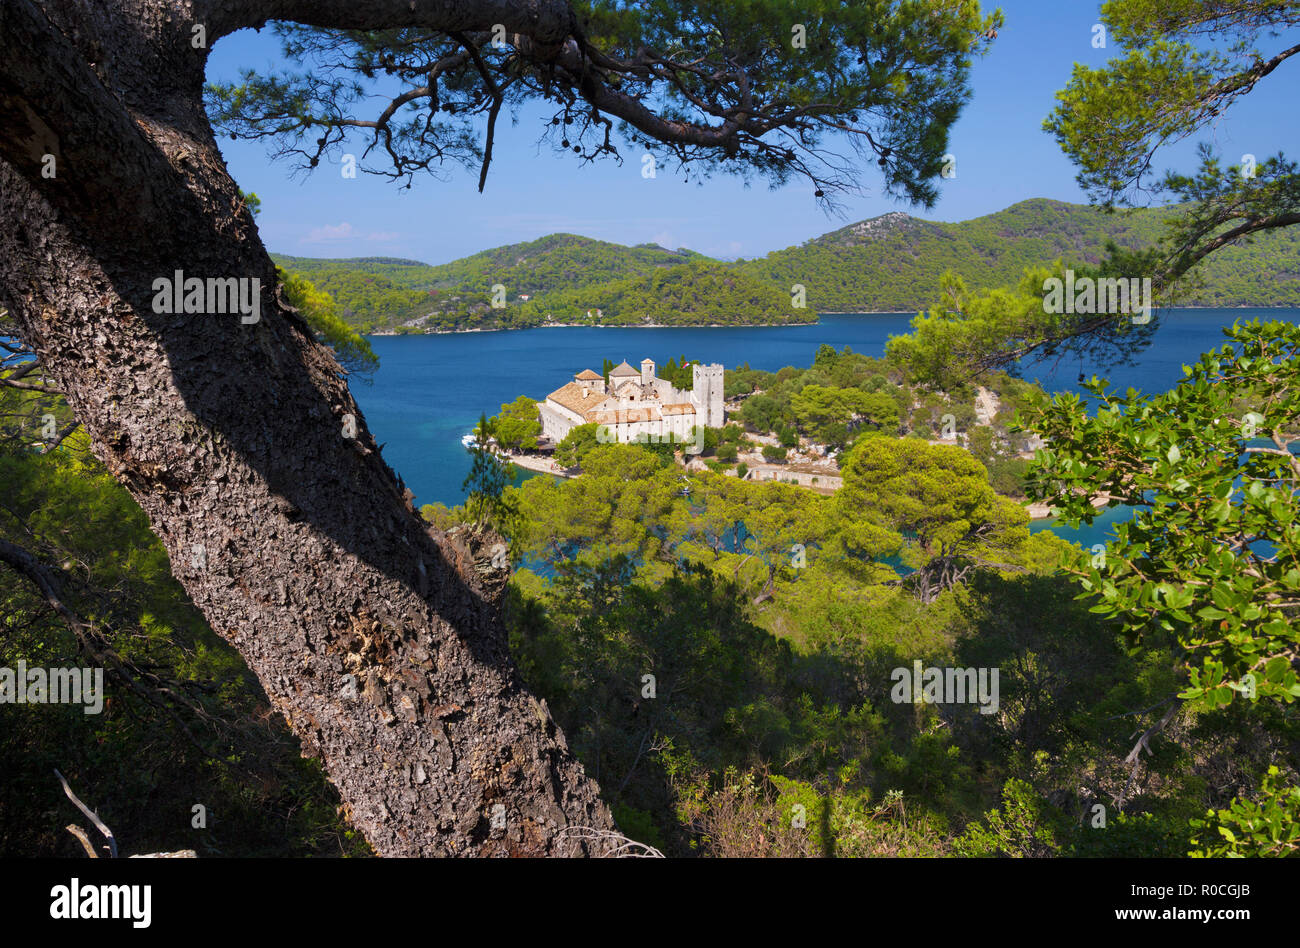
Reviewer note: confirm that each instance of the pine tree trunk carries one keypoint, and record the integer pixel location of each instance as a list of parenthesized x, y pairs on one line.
[(377, 639)]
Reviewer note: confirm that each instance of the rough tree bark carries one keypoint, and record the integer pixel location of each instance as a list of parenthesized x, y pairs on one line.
[(295, 541)]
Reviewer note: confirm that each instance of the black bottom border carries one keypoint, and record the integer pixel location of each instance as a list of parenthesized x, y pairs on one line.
[(366, 896)]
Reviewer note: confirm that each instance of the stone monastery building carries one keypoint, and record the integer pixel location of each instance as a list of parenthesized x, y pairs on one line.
[(636, 405)]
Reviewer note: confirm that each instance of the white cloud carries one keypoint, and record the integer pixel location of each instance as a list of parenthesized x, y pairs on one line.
[(345, 231), (320, 235)]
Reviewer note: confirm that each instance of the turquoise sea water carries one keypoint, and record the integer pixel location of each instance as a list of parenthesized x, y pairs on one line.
[(431, 389)]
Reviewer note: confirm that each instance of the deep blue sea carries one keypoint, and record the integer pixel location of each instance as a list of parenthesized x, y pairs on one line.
[(430, 389)]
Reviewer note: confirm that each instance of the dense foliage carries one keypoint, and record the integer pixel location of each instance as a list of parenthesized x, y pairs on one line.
[(1209, 568), (722, 659), (517, 427), (702, 292)]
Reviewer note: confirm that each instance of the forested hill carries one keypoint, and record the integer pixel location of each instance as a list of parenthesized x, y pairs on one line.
[(702, 292), (556, 262), (887, 263), (893, 262), (561, 274)]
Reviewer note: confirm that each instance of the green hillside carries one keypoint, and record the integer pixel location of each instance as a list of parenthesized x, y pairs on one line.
[(893, 262), (386, 292), (703, 292), (555, 262), (887, 263)]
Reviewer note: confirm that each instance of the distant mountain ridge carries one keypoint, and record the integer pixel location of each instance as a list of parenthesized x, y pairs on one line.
[(894, 262), (536, 277), (888, 263)]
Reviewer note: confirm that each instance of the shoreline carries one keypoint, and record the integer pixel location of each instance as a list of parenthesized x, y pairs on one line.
[(816, 322), (540, 465), (449, 332)]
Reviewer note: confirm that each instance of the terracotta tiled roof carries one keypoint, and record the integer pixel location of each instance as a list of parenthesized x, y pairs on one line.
[(570, 396), (623, 369), (681, 408), (586, 375)]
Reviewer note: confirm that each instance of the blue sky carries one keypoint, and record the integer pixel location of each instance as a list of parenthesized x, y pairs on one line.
[(1003, 156)]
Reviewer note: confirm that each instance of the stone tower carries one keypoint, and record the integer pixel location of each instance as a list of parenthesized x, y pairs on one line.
[(706, 394), (647, 371)]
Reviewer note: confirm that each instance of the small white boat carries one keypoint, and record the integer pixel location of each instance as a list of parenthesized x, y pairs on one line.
[(469, 440)]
